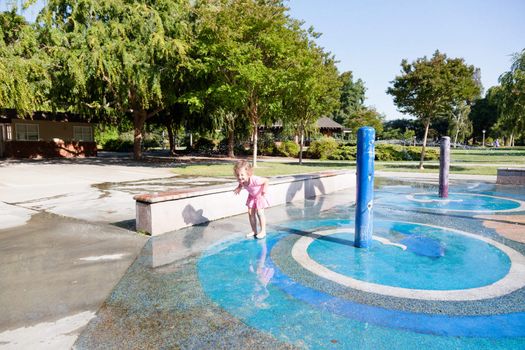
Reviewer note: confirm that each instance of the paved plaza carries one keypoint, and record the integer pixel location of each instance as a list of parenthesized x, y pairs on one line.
[(75, 273)]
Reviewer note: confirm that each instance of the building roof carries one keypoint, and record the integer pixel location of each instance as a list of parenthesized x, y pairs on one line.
[(327, 123), (322, 123)]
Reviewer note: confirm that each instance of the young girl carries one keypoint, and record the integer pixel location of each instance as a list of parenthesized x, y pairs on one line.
[(256, 187)]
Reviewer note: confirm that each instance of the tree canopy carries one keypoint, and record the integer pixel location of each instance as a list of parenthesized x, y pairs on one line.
[(430, 88), (511, 99), (352, 98), (24, 80), (115, 57)]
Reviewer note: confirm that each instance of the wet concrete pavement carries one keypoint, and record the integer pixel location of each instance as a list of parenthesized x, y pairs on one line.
[(66, 238)]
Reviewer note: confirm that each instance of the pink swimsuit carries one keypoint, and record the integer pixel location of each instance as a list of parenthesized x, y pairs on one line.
[(255, 198)]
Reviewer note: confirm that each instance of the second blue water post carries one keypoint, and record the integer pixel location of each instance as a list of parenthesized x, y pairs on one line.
[(364, 187), (444, 166)]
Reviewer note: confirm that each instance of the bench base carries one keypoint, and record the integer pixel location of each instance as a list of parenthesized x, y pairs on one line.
[(169, 211)]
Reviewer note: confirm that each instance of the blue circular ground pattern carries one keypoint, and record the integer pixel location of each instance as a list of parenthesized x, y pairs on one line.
[(241, 277), (462, 202), (430, 258)]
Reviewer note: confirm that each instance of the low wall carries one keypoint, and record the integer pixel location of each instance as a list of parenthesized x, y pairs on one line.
[(169, 211), (511, 176)]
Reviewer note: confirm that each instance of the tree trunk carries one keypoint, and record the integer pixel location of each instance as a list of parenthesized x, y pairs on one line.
[(139, 119), (231, 142), (427, 125), (254, 147), (456, 138), (301, 144), (171, 139)]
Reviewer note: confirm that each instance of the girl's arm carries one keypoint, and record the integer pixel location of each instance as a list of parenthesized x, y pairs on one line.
[(265, 185), (238, 189)]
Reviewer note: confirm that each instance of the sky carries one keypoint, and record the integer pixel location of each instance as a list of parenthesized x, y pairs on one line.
[(372, 37)]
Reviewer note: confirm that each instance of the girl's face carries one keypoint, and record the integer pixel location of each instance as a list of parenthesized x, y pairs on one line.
[(243, 176)]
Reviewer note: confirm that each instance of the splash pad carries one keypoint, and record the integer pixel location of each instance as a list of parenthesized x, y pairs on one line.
[(420, 283), (438, 273), (415, 283)]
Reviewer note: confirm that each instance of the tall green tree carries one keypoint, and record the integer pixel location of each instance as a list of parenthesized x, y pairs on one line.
[(312, 83), (429, 88), (114, 57), (366, 116), (352, 98), (24, 81), (244, 54), (461, 125), (512, 99), (483, 115)]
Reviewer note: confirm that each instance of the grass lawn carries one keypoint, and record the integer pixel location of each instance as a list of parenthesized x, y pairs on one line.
[(489, 155), (473, 161), (434, 168), (266, 169)]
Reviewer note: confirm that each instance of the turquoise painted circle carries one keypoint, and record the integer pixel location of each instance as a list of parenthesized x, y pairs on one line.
[(241, 278), (433, 258), (454, 202)]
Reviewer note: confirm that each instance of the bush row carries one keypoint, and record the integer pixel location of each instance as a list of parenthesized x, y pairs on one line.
[(329, 149)]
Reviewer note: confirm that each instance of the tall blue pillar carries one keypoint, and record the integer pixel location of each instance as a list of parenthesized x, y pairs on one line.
[(365, 187)]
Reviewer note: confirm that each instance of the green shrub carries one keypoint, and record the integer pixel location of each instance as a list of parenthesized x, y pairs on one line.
[(104, 133), (287, 149), (265, 144), (203, 145), (385, 152), (344, 152), (323, 148), (430, 153), (152, 142), (118, 145)]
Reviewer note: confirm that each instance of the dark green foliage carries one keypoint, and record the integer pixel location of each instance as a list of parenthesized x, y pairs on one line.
[(344, 152), (323, 148), (265, 144), (287, 149), (118, 145), (383, 152), (204, 145)]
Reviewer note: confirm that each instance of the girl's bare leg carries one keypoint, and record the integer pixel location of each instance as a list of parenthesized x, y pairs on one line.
[(262, 221), (253, 222)]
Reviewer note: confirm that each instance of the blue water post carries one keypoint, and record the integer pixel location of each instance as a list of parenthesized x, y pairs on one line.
[(444, 165), (365, 187)]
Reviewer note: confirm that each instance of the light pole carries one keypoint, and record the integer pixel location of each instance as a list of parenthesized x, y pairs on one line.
[(483, 131)]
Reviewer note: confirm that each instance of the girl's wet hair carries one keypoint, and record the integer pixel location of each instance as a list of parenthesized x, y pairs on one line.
[(242, 164)]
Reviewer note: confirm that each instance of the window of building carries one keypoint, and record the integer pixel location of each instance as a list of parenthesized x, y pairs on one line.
[(27, 132), (82, 133)]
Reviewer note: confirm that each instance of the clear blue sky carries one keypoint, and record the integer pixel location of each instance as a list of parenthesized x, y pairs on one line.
[(371, 37)]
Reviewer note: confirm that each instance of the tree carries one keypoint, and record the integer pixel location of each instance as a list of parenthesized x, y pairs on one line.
[(24, 81), (352, 98), (512, 99), (243, 54), (312, 82), (483, 115), (367, 116), (460, 121), (428, 89), (115, 57)]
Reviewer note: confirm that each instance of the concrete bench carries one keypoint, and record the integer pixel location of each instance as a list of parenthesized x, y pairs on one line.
[(511, 176), (169, 211)]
